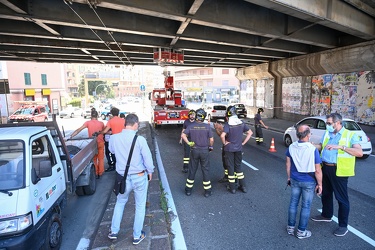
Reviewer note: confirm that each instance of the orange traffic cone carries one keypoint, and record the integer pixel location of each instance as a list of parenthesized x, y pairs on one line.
[(272, 147)]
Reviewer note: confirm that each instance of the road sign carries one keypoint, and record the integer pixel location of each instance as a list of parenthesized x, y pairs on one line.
[(143, 87)]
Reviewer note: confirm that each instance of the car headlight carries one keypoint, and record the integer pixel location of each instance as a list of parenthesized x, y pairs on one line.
[(15, 224)]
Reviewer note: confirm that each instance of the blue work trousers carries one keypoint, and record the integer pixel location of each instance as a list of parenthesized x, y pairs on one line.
[(333, 184)]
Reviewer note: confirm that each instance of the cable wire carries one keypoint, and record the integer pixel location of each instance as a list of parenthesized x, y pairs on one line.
[(95, 32), (109, 33)]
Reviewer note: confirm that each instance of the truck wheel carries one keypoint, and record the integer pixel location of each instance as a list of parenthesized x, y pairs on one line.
[(54, 233), (79, 191), (91, 188)]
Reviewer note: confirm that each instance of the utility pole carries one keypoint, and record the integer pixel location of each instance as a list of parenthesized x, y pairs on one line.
[(86, 81)]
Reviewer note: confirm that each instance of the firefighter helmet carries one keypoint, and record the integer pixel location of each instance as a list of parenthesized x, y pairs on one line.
[(200, 115), (231, 111), (260, 110), (191, 111)]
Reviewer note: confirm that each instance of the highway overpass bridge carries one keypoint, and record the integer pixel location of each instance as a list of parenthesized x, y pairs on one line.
[(210, 33), (263, 39)]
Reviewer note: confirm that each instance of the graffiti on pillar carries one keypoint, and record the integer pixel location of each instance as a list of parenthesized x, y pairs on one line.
[(350, 94), (321, 94), (246, 93), (365, 98), (344, 94), (259, 93), (296, 93)]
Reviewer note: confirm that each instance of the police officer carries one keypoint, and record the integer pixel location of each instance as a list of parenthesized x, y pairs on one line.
[(201, 142), (187, 123), (258, 126), (231, 138)]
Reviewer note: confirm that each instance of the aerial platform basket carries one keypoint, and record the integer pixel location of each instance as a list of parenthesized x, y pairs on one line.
[(165, 56)]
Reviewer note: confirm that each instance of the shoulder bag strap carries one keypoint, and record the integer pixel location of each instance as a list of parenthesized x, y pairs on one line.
[(130, 157)]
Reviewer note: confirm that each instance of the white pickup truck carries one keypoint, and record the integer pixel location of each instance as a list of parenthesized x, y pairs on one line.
[(37, 171)]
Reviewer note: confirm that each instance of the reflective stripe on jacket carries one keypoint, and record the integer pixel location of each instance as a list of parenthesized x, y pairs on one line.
[(345, 162)]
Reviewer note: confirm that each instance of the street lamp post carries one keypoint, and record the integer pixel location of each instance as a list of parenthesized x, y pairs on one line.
[(98, 86)]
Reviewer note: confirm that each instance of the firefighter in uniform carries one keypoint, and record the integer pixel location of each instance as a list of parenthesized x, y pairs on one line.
[(187, 123), (258, 126), (201, 143), (219, 128), (231, 138)]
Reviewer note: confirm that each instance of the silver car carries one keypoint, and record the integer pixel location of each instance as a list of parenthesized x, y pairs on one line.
[(70, 112), (317, 126), (214, 111)]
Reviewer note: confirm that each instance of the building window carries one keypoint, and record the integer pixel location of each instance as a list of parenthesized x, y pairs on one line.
[(44, 79), (225, 71), (27, 78)]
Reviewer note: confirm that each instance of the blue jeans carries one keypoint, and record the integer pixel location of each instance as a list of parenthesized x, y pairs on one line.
[(139, 184), (306, 189)]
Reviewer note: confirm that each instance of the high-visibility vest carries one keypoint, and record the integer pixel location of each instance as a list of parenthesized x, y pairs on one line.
[(345, 162)]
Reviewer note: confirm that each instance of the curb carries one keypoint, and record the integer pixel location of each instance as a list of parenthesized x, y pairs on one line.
[(156, 225)]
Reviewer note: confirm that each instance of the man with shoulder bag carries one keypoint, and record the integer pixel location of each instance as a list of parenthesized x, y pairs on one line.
[(134, 169)]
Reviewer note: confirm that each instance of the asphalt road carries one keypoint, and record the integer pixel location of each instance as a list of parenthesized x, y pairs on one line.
[(255, 220), (258, 218)]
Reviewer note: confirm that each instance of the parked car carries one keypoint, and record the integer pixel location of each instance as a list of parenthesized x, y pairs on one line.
[(86, 113), (29, 113), (70, 112), (214, 111), (107, 111), (317, 126), (240, 110)]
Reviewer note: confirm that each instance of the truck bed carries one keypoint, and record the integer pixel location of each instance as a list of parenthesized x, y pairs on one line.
[(79, 160)]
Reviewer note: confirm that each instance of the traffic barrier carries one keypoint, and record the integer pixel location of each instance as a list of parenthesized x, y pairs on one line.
[(272, 147)]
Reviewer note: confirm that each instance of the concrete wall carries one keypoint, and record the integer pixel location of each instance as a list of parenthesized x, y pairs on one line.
[(353, 58)]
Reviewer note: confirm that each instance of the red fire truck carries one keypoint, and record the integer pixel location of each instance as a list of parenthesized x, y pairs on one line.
[(167, 105)]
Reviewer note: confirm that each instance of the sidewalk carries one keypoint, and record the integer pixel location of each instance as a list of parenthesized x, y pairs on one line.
[(155, 225)]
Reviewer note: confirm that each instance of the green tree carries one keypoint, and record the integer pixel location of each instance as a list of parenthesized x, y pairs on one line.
[(92, 84)]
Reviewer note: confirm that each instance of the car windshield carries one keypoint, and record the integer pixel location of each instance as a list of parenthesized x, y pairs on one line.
[(12, 167), (24, 111), (239, 106), (220, 108), (350, 125)]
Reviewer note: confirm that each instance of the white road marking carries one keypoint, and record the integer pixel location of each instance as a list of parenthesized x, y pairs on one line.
[(83, 244), (355, 231), (249, 165)]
